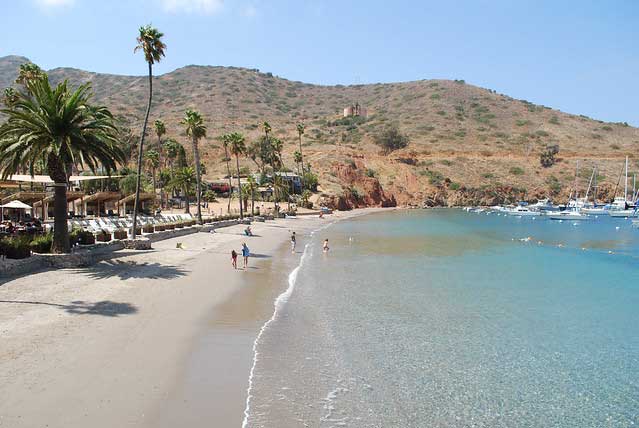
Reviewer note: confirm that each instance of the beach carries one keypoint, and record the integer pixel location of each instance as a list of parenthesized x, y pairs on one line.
[(150, 338)]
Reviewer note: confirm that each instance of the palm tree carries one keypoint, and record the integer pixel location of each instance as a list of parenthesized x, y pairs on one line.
[(251, 185), (298, 159), (9, 97), (28, 73), (150, 42), (160, 130), (184, 180), (59, 128), (226, 140), (153, 161), (238, 147), (300, 132), (196, 129), (171, 151)]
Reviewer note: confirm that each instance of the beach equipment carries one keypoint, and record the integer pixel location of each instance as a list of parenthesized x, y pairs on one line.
[(15, 205)]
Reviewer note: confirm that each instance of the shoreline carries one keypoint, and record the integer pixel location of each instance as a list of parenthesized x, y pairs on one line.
[(109, 344)]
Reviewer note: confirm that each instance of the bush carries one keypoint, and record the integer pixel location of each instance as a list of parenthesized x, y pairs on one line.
[(515, 170), (82, 237), (103, 236), (454, 186), (16, 248), (120, 234), (370, 173), (42, 244), (148, 228), (391, 139), (554, 185), (547, 157)]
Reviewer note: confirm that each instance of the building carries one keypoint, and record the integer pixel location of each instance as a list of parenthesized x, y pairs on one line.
[(355, 110)]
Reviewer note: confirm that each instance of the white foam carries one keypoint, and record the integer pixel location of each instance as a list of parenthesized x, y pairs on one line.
[(280, 301)]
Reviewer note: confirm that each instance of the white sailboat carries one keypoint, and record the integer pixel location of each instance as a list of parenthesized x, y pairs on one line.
[(620, 207)]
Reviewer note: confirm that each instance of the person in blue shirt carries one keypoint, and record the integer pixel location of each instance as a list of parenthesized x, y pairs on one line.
[(245, 253)]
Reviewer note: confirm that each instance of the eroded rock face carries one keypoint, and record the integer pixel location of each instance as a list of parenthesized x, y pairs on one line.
[(359, 189)]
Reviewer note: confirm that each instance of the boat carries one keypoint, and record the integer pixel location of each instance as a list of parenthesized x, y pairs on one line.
[(543, 205), (627, 213), (620, 207), (568, 215), (522, 211)]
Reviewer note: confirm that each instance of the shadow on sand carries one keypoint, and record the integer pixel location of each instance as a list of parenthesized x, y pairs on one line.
[(260, 256), (131, 269), (105, 308)]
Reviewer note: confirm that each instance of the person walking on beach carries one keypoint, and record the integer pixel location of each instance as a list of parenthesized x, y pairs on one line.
[(293, 242), (245, 253), (234, 258), (325, 246)]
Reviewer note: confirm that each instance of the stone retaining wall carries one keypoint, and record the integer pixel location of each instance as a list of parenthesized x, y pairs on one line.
[(85, 255)]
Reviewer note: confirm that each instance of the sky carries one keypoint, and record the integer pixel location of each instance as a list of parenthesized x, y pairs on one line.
[(581, 57)]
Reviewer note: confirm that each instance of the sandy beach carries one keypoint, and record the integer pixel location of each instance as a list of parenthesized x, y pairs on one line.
[(143, 339)]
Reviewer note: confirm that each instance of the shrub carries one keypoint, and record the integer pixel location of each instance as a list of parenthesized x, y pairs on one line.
[(15, 248), (554, 185), (391, 139), (370, 173), (148, 228), (82, 237), (103, 236), (554, 120), (515, 170), (454, 186), (42, 244), (547, 157)]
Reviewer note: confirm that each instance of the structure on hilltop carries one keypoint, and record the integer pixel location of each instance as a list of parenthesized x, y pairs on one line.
[(355, 110)]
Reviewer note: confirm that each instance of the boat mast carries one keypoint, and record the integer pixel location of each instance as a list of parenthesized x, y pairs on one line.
[(594, 189), (590, 183), (625, 188), (576, 174)]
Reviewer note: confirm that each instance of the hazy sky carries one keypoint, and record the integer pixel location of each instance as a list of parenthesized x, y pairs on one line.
[(577, 56)]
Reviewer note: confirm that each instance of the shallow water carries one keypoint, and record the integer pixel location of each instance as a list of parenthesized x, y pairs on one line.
[(448, 319)]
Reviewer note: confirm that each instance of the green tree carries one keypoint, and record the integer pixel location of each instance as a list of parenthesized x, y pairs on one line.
[(150, 42), (171, 151), (160, 130), (226, 141), (391, 139), (237, 148), (297, 156), (28, 73), (153, 161), (184, 181), (251, 186), (9, 97), (195, 128), (59, 128)]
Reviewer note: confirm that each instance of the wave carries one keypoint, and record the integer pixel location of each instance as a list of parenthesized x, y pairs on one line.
[(280, 301)]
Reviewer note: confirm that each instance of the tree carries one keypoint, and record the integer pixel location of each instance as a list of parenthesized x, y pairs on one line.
[(160, 130), (153, 161), (195, 128), (59, 128), (150, 42), (28, 73), (251, 186), (547, 157), (226, 141), (300, 132), (171, 151), (237, 148), (297, 156), (184, 180), (391, 139)]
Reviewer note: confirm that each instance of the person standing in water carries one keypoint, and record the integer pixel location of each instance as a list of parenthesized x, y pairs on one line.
[(234, 258), (293, 242), (245, 253), (325, 246)]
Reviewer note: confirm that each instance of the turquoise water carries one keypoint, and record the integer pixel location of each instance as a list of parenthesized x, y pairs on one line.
[(449, 319)]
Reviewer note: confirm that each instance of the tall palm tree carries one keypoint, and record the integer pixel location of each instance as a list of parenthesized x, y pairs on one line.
[(238, 147), (226, 140), (153, 161), (297, 156), (184, 180), (149, 42), (58, 128), (196, 129), (300, 132), (251, 185), (160, 130)]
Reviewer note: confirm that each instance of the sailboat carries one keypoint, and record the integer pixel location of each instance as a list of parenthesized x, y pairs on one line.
[(592, 208), (572, 211), (620, 206)]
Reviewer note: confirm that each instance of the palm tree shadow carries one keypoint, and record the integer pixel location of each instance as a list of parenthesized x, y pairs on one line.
[(105, 308), (131, 269)]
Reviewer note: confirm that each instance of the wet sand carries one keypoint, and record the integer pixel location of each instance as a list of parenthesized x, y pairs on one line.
[(153, 339)]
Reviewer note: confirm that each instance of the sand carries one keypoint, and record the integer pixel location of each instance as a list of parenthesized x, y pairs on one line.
[(145, 339)]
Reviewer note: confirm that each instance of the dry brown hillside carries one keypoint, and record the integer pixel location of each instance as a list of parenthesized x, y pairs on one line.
[(467, 144)]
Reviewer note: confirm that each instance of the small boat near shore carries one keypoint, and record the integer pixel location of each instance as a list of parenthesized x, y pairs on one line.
[(569, 215)]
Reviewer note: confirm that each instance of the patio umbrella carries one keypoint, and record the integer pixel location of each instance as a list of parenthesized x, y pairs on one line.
[(15, 204)]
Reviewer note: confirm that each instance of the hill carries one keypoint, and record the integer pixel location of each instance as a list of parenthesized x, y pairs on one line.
[(467, 144)]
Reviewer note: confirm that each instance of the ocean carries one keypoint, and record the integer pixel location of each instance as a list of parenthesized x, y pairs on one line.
[(443, 318)]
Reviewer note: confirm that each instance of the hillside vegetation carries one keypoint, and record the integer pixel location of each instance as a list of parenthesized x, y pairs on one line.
[(466, 144)]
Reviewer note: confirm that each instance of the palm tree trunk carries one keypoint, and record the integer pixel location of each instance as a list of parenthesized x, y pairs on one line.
[(187, 210), (239, 185), (60, 227), (302, 162), (198, 180), (228, 170), (136, 205), (161, 166)]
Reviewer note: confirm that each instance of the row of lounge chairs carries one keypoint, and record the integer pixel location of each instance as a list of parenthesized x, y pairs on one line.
[(111, 224)]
